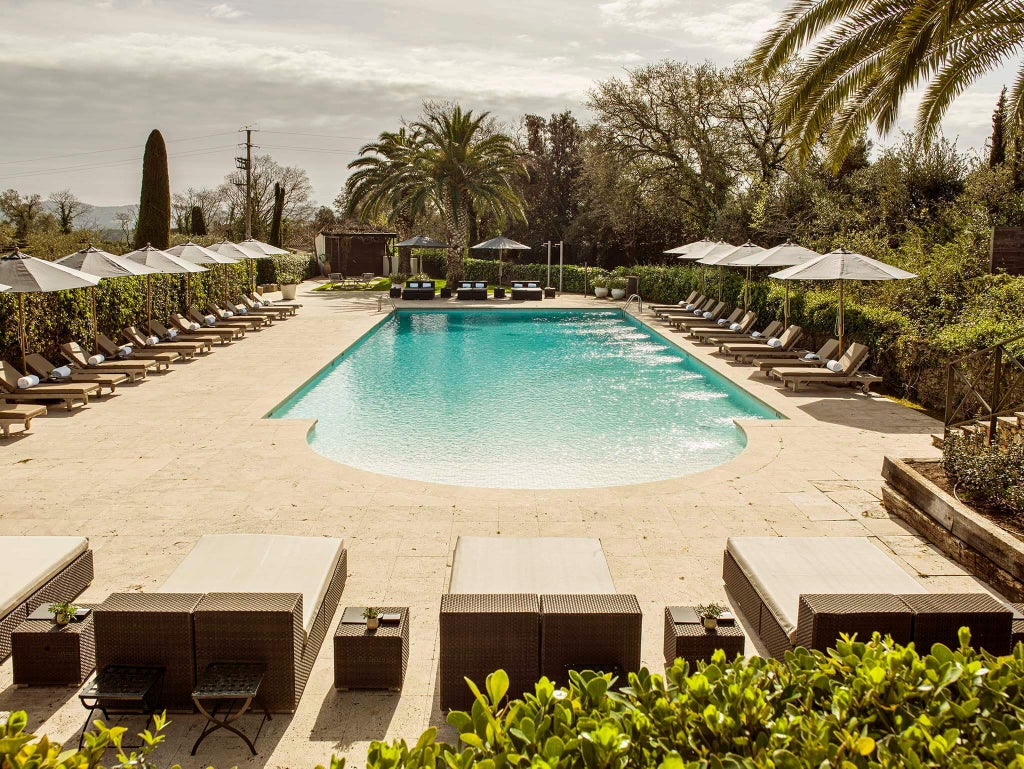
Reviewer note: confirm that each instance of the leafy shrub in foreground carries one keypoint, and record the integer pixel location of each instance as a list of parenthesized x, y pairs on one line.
[(859, 705), (990, 474)]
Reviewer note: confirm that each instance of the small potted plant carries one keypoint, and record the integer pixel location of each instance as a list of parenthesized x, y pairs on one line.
[(618, 287), (63, 613), (372, 616), (709, 614), (600, 284)]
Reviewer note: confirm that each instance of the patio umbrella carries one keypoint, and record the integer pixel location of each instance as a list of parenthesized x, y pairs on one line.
[(421, 241), (717, 255), (24, 274), (734, 258), (4, 288), (843, 265), (259, 247), (238, 252), (783, 255), (687, 250), (162, 264), (197, 254), (93, 261), (501, 244)]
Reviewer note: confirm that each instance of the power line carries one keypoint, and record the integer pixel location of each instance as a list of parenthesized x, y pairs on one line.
[(111, 164), (114, 149)]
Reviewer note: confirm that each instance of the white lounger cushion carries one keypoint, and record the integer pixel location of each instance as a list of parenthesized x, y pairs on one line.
[(781, 569), (259, 563), (28, 563), (542, 565)]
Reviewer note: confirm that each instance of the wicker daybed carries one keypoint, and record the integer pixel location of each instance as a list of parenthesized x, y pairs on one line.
[(419, 289), (532, 606), (806, 591), (234, 598), (39, 570), (471, 289), (527, 289)]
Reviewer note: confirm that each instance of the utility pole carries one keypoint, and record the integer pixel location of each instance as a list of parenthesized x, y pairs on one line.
[(245, 164)]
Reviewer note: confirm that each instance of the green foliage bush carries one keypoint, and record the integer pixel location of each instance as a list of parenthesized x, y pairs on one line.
[(290, 268), (990, 474)]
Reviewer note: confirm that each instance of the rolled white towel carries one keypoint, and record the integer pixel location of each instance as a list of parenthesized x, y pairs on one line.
[(682, 304), (25, 382), (228, 314), (96, 360), (125, 352), (267, 302), (151, 340), (812, 356), (193, 326), (734, 327), (775, 342), (172, 334), (688, 307), (243, 311), (210, 320), (723, 321), (834, 365), (61, 372), (756, 335), (708, 315)]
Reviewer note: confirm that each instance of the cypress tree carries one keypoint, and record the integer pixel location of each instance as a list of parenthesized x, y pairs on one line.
[(154, 223), (197, 222), (997, 152), (275, 224)]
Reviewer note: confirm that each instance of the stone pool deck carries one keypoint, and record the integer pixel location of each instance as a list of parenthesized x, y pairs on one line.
[(145, 473)]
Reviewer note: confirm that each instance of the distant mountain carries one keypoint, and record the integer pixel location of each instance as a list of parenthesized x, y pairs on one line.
[(97, 217)]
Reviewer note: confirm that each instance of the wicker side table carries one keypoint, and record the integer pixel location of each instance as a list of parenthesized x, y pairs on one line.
[(372, 659), (47, 655), (688, 638)]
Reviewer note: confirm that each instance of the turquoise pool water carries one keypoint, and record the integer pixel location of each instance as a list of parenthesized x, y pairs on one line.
[(522, 399)]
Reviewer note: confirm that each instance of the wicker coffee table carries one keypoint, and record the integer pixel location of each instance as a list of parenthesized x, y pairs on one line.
[(47, 655), (686, 637), (371, 659)]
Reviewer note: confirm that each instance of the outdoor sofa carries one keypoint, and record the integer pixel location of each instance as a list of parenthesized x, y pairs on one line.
[(806, 591), (530, 290), (419, 289), (263, 598), (39, 570), (532, 606), (471, 289)]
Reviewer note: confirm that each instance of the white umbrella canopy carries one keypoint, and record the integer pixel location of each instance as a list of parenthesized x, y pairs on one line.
[(689, 248), (501, 244), (94, 261), (24, 274), (421, 241), (164, 264), (783, 255), (258, 246), (4, 288), (843, 265), (239, 251), (197, 254)]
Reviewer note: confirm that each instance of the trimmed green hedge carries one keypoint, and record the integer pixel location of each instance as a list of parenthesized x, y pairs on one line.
[(573, 276)]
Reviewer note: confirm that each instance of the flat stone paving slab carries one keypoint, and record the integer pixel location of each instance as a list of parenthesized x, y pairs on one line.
[(146, 472)]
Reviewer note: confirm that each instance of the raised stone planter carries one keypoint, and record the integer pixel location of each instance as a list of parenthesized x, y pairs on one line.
[(973, 541)]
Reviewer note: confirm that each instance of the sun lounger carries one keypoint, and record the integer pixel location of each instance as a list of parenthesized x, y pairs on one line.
[(655, 308), (291, 307), (159, 329), (241, 310), (806, 591), (219, 320), (707, 319), (726, 334), (112, 350), (133, 369), (471, 289), (43, 369), (281, 313), (418, 289), (261, 598), (707, 324), (273, 302), (744, 351), (529, 290), (254, 322), (702, 305), (532, 606), (854, 357), (69, 393), (12, 414), (39, 570), (225, 334), (797, 359), (185, 349)]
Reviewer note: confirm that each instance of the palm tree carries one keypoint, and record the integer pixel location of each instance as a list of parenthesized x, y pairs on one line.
[(455, 167), (862, 57)]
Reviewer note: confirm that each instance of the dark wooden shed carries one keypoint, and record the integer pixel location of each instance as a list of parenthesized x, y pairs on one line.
[(353, 252)]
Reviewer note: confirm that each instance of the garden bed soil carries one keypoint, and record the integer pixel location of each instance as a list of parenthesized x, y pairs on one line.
[(933, 472)]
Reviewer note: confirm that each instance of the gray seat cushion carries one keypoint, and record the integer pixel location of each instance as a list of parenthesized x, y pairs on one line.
[(28, 563), (783, 568), (259, 563), (541, 565)]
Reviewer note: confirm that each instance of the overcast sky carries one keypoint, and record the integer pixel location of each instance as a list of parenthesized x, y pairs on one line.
[(320, 77)]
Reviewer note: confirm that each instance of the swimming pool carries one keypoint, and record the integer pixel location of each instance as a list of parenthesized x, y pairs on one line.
[(540, 399)]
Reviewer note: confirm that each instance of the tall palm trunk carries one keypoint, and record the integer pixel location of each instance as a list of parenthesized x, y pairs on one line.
[(403, 227), (457, 225)]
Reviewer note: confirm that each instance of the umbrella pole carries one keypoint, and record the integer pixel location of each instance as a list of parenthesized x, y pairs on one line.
[(785, 307), (95, 324), (840, 316), (149, 301), (746, 291), (21, 330), (501, 253), (721, 282)]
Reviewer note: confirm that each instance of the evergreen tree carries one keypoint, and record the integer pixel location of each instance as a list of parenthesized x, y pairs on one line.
[(197, 222), (154, 225), (275, 223), (997, 151)]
